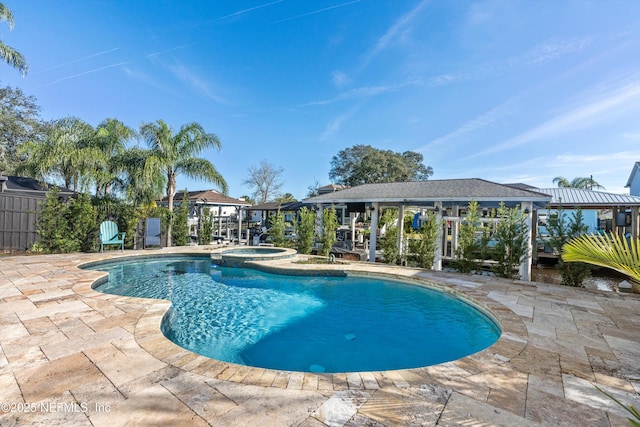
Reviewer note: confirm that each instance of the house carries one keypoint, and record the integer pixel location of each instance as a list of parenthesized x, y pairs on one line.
[(633, 183), (228, 212)]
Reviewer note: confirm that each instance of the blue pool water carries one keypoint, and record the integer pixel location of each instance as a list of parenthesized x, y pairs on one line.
[(304, 323)]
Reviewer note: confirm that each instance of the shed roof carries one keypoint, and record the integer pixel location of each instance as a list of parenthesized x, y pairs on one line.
[(209, 197), (274, 206), (448, 191), (24, 184), (575, 197)]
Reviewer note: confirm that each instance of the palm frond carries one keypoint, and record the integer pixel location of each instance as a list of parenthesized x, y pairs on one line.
[(606, 250)]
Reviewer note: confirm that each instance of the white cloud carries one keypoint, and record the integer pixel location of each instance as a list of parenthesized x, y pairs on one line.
[(398, 31), (365, 92), (340, 79), (336, 124), (614, 96)]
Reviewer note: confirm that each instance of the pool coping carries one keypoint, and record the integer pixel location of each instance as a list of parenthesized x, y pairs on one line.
[(556, 343), (148, 331)]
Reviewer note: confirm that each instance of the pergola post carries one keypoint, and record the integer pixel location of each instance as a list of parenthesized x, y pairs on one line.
[(400, 230), (455, 226), (374, 231), (239, 209), (437, 259), (525, 266)]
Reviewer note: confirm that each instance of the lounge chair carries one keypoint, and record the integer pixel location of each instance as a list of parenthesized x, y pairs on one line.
[(109, 235), (152, 233)]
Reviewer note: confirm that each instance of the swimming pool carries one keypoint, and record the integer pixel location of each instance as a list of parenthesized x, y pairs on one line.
[(304, 323)]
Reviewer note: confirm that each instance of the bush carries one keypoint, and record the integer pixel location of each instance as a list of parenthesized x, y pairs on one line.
[(206, 232), (277, 229), (329, 227), (512, 241), (306, 230), (468, 246), (180, 228), (561, 232), (428, 243)]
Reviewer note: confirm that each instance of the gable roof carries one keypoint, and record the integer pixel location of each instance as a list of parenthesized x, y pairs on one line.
[(448, 191), (634, 171)]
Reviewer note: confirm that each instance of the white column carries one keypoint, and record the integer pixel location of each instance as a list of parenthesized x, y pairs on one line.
[(437, 260), (455, 226), (525, 267), (374, 231), (400, 229), (220, 221), (239, 224), (353, 216)]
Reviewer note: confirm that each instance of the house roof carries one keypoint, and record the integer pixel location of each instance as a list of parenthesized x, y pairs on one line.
[(634, 171), (29, 185), (447, 191), (575, 197), (274, 206), (209, 197)]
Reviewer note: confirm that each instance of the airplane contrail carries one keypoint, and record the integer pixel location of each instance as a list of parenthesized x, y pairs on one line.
[(76, 60), (83, 73), (318, 11), (240, 12)]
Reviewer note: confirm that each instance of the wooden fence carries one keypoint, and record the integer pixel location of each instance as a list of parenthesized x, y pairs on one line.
[(18, 220)]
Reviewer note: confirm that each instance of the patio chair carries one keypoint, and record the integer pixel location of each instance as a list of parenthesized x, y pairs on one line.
[(109, 235), (152, 233)]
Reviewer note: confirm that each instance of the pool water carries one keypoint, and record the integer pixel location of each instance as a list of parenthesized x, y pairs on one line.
[(304, 323)]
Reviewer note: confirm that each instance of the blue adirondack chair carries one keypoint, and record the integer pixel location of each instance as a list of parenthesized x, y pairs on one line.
[(109, 235)]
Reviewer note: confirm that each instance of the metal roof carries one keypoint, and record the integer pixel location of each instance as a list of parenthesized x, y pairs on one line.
[(575, 197), (446, 191)]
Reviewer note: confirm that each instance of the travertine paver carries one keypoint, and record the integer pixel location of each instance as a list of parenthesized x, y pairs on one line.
[(72, 356)]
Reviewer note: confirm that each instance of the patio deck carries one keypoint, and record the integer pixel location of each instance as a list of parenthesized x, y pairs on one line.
[(72, 356)]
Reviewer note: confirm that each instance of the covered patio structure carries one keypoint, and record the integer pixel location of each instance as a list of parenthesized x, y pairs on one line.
[(447, 198)]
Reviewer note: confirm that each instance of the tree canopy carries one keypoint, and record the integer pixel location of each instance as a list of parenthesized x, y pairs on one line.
[(363, 164), (7, 53), (584, 183), (19, 122)]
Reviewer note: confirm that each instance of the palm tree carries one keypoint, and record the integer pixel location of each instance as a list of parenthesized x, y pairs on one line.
[(173, 154), (584, 183), (65, 152), (7, 53), (611, 250), (111, 140)]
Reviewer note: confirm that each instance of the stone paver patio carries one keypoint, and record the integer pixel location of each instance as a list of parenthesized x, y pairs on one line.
[(72, 356)]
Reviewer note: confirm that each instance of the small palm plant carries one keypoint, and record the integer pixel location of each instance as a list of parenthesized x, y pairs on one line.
[(606, 250), (630, 408)]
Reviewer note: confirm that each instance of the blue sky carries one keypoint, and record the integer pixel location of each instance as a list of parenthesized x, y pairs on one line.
[(508, 91)]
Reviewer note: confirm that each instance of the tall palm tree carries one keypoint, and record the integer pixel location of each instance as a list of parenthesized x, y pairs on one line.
[(111, 140), (140, 188), (7, 53), (584, 183), (175, 154)]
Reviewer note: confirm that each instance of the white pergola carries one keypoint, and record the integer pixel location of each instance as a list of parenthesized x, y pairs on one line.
[(439, 195)]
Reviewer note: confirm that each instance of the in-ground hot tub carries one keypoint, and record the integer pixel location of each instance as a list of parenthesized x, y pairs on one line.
[(236, 257)]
